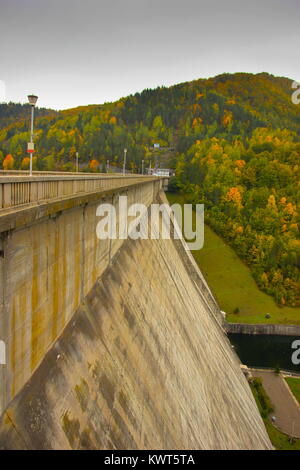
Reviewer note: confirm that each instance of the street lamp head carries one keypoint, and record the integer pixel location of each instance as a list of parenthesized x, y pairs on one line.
[(32, 99)]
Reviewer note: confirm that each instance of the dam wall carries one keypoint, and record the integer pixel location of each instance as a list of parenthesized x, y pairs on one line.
[(49, 263), (113, 344)]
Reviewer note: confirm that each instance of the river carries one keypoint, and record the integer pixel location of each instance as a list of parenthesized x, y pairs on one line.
[(268, 351)]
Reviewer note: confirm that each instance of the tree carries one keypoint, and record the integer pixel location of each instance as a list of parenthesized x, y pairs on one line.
[(25, 163), (94, 165), (8, 162)]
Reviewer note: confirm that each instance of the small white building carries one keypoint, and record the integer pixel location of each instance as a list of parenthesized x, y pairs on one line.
[(167, 172)]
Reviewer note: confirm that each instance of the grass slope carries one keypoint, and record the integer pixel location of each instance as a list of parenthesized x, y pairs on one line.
[(294, 385), (233, 285)]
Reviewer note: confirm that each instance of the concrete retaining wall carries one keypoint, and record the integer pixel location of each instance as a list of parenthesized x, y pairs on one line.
[(262, 329)]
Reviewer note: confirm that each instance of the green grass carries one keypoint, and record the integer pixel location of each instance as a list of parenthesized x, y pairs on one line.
[(233, 285), (279, 440), (294, 384)]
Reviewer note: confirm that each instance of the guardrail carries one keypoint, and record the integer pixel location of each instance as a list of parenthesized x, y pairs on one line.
[(61, 173), (15, 191)]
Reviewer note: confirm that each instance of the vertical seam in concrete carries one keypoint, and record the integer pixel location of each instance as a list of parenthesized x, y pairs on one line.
[(82, 267), (4, 327), (109, 240)]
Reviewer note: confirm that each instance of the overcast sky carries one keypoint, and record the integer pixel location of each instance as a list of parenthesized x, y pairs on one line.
[(76, 52)]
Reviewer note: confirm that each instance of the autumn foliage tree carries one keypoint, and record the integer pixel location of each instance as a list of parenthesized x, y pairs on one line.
[(8, 162), (94, 165), (25, 163)]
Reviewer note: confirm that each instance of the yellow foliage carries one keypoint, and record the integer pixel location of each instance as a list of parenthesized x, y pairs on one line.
[(272, 202), (25, 163), (234, 196), (277, 278), (240, 163), (227, 118), (113, 120), (283, 201), (290, 209)]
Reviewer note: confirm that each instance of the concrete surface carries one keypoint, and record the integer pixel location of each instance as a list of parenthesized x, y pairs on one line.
[(115, 345)]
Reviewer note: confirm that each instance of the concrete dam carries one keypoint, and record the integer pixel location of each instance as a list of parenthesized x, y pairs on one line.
[(109, 344)]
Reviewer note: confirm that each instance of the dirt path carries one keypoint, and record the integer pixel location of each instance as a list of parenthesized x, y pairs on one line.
[(287, 411)]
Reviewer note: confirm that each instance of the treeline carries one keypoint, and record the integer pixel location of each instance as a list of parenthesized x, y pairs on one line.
[(12, 112)]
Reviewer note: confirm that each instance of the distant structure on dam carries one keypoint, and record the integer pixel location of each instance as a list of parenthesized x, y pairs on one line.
[(109, 344)]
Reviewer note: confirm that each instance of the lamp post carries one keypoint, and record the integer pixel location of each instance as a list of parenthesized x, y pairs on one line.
[(142, 167), (124, 162), (107, 166), (77, 155), (32, 101)]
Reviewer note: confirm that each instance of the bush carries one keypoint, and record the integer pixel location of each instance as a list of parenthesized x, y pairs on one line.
[(173, 185), (277, 370), (264, 401)]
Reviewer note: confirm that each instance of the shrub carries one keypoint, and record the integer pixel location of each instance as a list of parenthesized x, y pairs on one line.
[(265, 402), (173, 185)]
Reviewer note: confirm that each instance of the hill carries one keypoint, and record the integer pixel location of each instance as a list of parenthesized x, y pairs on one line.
[(225, 106), (12, 112), (237, 146)]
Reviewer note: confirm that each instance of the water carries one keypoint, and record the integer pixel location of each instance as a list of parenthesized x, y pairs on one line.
[(268, 351)]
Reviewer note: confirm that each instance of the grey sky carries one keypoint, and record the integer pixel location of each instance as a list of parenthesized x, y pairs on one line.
[(76, 52)]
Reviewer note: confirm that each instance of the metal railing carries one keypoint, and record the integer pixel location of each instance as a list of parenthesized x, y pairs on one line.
[(15, 191)]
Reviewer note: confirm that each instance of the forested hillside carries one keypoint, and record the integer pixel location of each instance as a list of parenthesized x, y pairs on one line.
[(12, 112), (237, 148)]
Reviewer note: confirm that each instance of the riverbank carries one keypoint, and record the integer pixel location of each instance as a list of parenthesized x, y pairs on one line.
[(233, 285)]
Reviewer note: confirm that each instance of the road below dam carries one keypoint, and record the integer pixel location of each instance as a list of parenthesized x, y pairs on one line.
[(113, 344)]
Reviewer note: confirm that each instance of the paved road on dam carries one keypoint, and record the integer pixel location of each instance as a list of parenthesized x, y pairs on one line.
[(287, 411)]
